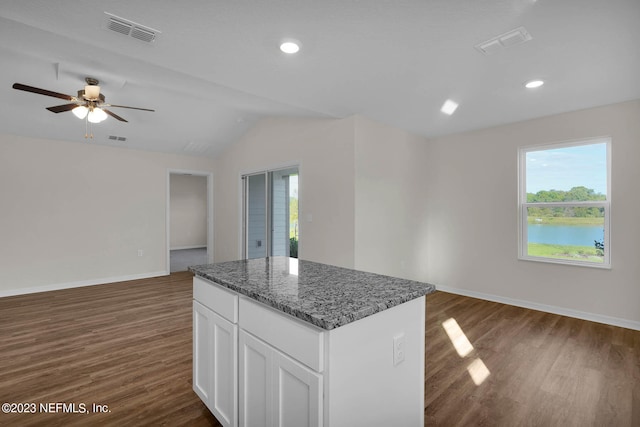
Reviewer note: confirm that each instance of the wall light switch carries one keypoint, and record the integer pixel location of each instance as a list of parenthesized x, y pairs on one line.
[(140, 252)]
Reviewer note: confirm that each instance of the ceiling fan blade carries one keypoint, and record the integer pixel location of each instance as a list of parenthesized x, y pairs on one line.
[(39, 91), (62, 108), (131, 108), (114, 115)]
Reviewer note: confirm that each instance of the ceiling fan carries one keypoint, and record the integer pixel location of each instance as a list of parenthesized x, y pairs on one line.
[(89, 104)]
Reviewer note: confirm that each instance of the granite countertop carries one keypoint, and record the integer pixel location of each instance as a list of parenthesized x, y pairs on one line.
[(323, 295)]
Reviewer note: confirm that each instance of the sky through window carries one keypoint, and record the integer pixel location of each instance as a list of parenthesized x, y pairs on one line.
[(567, 167)]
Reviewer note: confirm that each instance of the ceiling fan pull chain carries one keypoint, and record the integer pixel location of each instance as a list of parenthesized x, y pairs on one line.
[(88, 129)]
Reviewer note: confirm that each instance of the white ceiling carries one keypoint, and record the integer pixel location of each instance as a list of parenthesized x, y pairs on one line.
[(215, 68)]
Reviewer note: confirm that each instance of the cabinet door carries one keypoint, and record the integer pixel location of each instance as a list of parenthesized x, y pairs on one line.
[(202, 353), (297, 393), (215, 366), (224, 369), (255, 382)]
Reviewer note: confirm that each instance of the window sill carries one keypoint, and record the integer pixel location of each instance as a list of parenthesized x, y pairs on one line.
[(604, 266)]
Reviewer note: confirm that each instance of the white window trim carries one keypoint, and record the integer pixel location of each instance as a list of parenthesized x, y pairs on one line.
[(523, 205)]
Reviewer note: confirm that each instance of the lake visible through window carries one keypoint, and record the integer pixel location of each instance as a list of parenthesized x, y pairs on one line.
[(565, 234)]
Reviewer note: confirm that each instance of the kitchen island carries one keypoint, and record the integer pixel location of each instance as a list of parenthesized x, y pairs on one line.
[(278, 341)]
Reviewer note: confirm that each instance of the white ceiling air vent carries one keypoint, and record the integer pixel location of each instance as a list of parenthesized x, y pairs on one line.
[(143, 34), (130, 28), (195, 147), (117, 138), (503, 41)]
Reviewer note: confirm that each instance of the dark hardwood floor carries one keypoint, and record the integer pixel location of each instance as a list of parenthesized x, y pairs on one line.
[(128, 345), (125, 345), (541, 369)]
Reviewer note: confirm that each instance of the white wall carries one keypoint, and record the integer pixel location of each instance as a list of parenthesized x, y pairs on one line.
[(390, 194), (188, 195), (324, 151), (472, 217), (372, 197), (75, 213), (443, 210)]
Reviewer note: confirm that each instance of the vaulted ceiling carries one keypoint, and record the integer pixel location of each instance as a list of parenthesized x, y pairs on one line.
[(215, 66)]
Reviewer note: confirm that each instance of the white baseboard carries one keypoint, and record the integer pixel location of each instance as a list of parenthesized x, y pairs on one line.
[(69, 285), (599, 318), (178, 248)]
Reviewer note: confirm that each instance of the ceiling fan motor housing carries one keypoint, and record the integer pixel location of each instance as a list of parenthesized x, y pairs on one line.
[(81, 95)]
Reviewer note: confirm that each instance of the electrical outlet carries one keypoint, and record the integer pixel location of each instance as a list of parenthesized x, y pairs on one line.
[(398, 349)]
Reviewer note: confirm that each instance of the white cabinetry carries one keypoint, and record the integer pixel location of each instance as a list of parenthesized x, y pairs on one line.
[(257, 366), (215, 353), (297, 393), (202, 344), (255, 382), (275, 390)]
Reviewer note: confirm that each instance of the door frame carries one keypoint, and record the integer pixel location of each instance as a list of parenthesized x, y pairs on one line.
[(241, 202), (209, 176)]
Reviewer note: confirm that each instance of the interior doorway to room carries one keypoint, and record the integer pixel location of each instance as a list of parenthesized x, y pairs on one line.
[(189, 222), (270, 213)]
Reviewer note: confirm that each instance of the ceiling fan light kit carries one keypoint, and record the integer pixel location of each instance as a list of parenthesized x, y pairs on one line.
[(92, 92), (89, 105), (96, 115), (80, 111)]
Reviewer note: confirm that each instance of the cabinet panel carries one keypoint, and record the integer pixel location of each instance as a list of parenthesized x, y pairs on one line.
[(202, 351), (275, 390), (219, 299), (297, 394), (225, 370), (215, 366), (255, 381), (301, 341)]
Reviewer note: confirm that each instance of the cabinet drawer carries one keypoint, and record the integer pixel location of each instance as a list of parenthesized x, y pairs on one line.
[(292, 336), (219, 299)]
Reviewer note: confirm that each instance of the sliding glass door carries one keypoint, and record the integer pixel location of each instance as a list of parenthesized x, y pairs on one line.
[(270, 213), (255, 212)]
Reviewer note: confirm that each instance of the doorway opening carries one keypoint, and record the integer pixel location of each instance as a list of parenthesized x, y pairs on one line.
[(189, 219)]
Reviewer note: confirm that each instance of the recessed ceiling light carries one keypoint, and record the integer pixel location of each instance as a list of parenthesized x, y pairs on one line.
[(449, 107), (534, 84), (289, 47)]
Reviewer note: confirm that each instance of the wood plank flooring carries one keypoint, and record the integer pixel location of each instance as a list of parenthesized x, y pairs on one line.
[(543, 369), (128, 345), (125, 345)]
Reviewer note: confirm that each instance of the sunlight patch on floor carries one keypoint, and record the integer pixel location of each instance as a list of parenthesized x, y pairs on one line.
[(478, 371), (457, 337)]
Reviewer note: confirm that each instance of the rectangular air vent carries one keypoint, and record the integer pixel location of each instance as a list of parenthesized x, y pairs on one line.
[(143, 34), (503, 41), (117, 138), (119, 26), (130, 28), (195, 147)]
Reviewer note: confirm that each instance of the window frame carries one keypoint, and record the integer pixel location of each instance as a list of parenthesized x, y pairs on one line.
[(523, 204)]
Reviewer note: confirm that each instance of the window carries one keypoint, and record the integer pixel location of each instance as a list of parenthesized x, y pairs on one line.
[(270, 214), (564, 203)]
